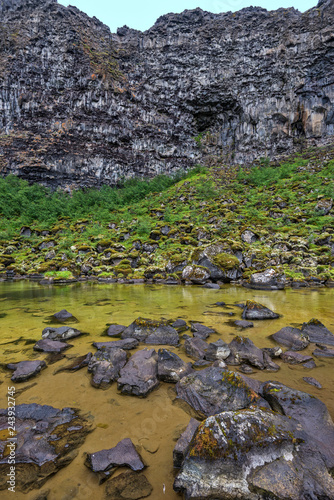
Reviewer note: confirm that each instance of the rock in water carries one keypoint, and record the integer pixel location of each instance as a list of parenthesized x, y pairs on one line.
[(61, 333), (151, 332), (26, 369), (47, 439), (64, 316), (317, 332), (171, 368), (196, 348), (115, 330), (140, 375), (243, 349), (254, 310), (201, 331), (182, 446), (105, 365), (47, 345), (128, 486), (292, 338)]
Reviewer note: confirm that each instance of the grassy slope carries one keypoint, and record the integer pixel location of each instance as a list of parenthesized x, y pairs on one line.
[(277, 202)]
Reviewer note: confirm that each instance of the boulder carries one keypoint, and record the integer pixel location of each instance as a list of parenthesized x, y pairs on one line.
[(140, 375), (201, 331), (196, 274), (25, 369), (294, 358), (61, 333), (217, 350), (128, 486), (254, 310), (126, 344), (244, 350), (182, 446), (317, 332), (213, 390), (151, 332), (171, 368), (124, 454), (195, 348), (105, 366), (180, 325), (267, 280), (253, 454), (290, 337), (63, 316), (47, 440), (115, 330), (47, 345)]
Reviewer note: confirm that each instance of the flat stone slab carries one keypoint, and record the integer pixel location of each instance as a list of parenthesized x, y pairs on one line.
[(115, 330), (47, 345), (290, 337), (294, 358), (254, 310), (124, 454), (128, 486), (105, 365), (171, 368), (126, 344), (26, 369), (201, 331), (140, 375), (317, 332), (323, 353), (47, 440), (242, 323), (151, 332), (61, 333)]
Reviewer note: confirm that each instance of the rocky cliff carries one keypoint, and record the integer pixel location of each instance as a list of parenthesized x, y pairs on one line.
[(81, 106)]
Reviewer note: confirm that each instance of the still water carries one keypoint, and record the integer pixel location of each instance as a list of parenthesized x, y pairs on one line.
[(153, 423)]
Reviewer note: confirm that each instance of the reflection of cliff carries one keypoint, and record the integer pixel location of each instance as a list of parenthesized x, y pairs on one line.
[(82, 106)]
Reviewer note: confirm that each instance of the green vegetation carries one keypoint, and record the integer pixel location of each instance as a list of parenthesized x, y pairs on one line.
[(154, 228)]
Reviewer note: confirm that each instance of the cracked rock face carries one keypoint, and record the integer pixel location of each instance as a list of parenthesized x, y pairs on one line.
[(82, 106)]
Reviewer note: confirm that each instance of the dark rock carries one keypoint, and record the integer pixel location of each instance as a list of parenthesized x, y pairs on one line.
[(244, 350), (243, 324), (245, 369), (202, 363), (140, 375), (171, 368), (115, 330), (76, 363), (317, 332), (182, 446), (220, 304), (217, 350), (212, 286), (294, 358), (292, 338), (180, 325), (126, 344), (124, 454), (25, 369), (128, 486), (253, 454), (312, 381), (310, 364), (213, 390), (105, 365), (254, 310), (61, 333), (195, 348), (201, 331), (268, 362), (323, 353), (64, 316), (47, 345), (47, 439), (151, 332), (274, 352)]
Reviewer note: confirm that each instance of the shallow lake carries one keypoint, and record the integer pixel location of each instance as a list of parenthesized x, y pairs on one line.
[(153, 423)]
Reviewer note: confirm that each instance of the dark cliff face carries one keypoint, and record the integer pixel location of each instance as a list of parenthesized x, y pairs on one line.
[(81, 106)]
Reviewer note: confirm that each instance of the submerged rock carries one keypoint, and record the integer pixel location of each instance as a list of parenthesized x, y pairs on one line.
[(171, 368), (312, 381), (128, 486), (290, 337), (253, 454), (213, 390), (115, 330), (243, 323), (47, 439), (151, 332), (317, 332), (140, 375), (25, 369), (76, 363), (254, 310), (105, 365), (61, 333), (47, 345)]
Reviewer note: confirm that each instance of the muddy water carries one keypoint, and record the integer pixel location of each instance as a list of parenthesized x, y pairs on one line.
[(153, 423)]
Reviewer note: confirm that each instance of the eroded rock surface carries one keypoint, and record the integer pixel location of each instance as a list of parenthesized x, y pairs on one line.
[(254, 310), (317, 332), (293, 338), (26, 369), (140, 375), (151, 332), (171, 368), (61, 333), (105, 366)]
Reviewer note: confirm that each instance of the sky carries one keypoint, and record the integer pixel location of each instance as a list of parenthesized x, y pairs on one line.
[(142, 14)]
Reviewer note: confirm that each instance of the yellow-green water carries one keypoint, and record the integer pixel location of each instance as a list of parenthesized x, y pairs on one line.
[(153, 423)]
